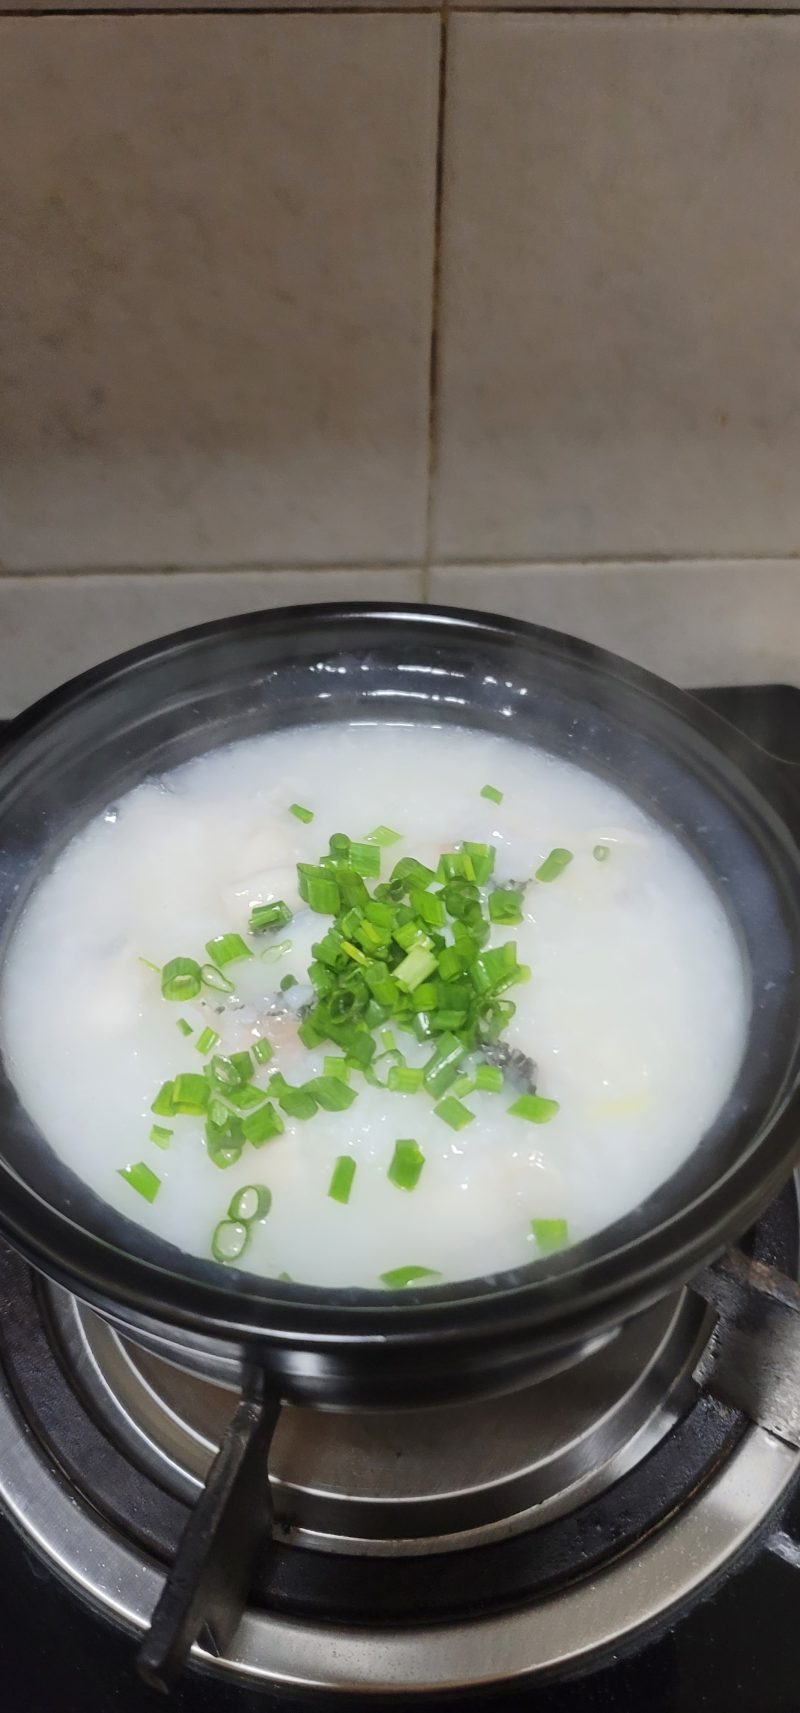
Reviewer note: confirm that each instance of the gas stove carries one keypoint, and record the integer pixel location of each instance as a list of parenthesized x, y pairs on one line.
[(626, 1531)]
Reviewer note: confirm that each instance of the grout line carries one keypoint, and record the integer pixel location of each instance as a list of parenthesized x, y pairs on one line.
[(602, 561), (291, 568), (420, 8), (436, 280), (259, 8)]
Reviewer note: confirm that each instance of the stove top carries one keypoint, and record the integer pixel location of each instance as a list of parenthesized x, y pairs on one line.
[(513, 1544)]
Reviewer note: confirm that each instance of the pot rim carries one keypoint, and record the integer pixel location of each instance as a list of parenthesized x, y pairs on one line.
[(588, 1284)]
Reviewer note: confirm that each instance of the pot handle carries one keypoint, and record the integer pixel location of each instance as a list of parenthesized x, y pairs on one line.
[(206, 1590)]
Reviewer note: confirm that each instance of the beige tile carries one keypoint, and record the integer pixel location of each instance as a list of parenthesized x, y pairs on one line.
[(215, 288), (708, 622), (620, 314), (54, 627)]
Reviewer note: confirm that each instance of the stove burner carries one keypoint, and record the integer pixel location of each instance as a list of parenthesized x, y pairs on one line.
[(593, 1505), (413, 1482)]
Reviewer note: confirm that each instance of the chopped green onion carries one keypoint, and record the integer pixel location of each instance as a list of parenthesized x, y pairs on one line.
[(181, 979), (410, 874), (535, 1108), (336, 1067), (430, 907), (301, 814), (482, 859), (142, 1180), (185, 1028), (224, 1140), (354, 952), (190, 1094), (404, 1079), (601, 853), (215, 979), (242, 1064), (229, 1240), (318, 889), (226, 1073), (262, 1050), (227, 949), (442, 1068), (365, 859), (207, 1041), (342, 1177), (388, 1041), (331, 1093), (463, 1085), (492, 793), (160, 1136), (150, 966), (383, 836), (398, 1277), (505, 906), (454, 1112), (554, 864), (246, 1097), (164, 1102), (489, 1079), (263, 917), (298, 1102), (253, 1202), (414, 968), (274, 953), (288, 981), (550, 1234), (262, 1126), (406, 1165)]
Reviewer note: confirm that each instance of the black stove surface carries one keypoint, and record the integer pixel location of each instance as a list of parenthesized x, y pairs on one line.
[(738, 1651)]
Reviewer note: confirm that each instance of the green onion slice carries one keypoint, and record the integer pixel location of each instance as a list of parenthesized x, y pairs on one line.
[(383, 836), (601, 853), (163, 1104), (207, 1041), (262, 1126), (301, 814), (262, 1050), (398, 1277), (181, 979), (160, 1135), (336, 1067), (227, 949), (185, 1028), (298, 1102), (331, 1093), (535, 1108), (554, 864), (229, 1240), (550, 1234), (406, 1165), (190, 1094), (489, 1079), (264, 917), (492, 793), (404, 1079), (252, 1202), (342, 1177), (505, 906), (453, 1112), (142, 1180)]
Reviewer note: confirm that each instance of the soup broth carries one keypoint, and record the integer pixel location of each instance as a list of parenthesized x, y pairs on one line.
[(569, 1095)]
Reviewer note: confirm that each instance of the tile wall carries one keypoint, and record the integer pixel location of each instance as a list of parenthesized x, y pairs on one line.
[(498, 308)]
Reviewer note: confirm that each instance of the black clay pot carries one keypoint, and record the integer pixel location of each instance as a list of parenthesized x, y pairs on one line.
[(735, 808)]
